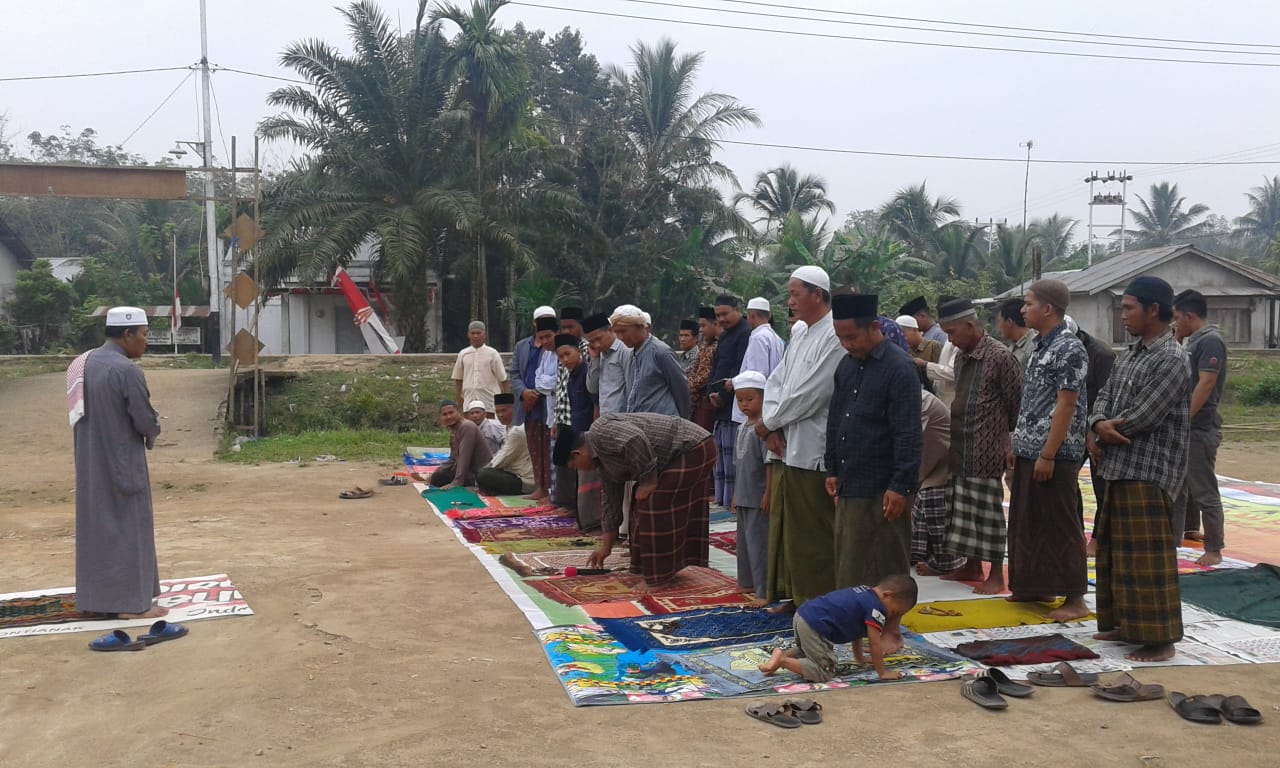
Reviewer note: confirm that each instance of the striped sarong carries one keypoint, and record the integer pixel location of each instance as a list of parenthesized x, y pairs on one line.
[(976, 529), (1137, 580), (538, 437), (804, 516), (671, 528), (929, 531), (725, 434)]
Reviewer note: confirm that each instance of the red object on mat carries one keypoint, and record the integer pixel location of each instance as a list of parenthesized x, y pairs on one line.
[(483, 512), (1038, 649), (693, 583)]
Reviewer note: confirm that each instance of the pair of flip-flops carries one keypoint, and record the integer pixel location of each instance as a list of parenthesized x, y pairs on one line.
[(989, 689), (356, 492), (791, 713), (394, 480), (119, 640), (1213, 709), (1063, 675), (1126, 688)]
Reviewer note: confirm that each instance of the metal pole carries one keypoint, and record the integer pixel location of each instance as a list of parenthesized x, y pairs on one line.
[(1124, 204), (1090, 249), (1026, 184), (215, 268), (173, 302), (258, 389)]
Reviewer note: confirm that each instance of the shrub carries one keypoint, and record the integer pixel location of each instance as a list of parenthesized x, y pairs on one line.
[(1264, 391)]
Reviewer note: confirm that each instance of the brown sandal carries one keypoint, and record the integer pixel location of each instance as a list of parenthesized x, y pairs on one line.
[(355, 493)]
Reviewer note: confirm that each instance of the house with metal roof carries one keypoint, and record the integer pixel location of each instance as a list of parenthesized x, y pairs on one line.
[(14, 257), (1242, 300)]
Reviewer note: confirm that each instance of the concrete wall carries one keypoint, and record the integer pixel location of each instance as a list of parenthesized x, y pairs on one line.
[(8, 276)]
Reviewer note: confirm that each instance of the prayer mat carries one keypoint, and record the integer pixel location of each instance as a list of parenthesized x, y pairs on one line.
[(736, 667), (44, 609), (726, 541), (1041, 649), (485, 512), (663, 603), (946, 615), (699, 629), (23, 614), (618, 609), (541, 545), (595, 669), (690, 583), (453, 498), (1246, 594), (421, 457), (553, 563), (516, 528)]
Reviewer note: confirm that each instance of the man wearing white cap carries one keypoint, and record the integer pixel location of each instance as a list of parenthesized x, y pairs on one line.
[(655, 383), (793, 423), (520, 357), (478, 373), (114, 427), (492, 432), (765, 347)]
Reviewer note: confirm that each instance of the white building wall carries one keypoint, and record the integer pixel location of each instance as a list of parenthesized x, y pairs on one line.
[(8, 276)]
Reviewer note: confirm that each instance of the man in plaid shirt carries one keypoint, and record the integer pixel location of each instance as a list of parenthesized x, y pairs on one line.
[(1138, 433)]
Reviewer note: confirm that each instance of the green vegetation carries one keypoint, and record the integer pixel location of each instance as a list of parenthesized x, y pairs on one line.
[(1251, 401), (370, 415), (17, 368)]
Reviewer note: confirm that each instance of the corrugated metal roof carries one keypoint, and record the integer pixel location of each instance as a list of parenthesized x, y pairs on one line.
[(1120, 269)]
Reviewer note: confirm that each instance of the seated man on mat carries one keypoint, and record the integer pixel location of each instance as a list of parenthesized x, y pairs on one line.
[(511, 470), (492, 432), (467, 450), (847, 616)]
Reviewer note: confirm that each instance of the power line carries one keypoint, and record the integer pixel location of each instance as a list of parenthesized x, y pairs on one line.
[(260, 74), (22, 78), (1002, 27), (686, 6), (217, 114), (988, 158), (919, 43), (190, 72)]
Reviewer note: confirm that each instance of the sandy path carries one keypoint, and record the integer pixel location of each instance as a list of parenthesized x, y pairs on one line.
[(378, 641)]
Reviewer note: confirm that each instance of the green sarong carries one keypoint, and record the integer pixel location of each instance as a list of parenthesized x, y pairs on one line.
[(802, 554)]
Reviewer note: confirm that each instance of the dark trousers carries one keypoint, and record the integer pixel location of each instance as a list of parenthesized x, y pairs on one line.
[(498, 482), (1199, 499)]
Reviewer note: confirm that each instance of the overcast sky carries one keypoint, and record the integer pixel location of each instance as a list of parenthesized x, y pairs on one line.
[(808, 90)]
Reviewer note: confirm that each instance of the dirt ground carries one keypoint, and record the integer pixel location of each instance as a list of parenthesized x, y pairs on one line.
[(379, 641)]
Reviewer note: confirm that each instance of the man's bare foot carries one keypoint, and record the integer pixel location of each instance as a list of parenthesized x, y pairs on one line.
[(1193, 535), (154, 612), (1110, 634), (1071, 610), (564, 512), (1151, 653), (775, 661), (924, 569), (970, 571), (994, 584), (1210, 558), (1091, 549), (786, 607), (759, 602), (538, 495), (1030, 599)]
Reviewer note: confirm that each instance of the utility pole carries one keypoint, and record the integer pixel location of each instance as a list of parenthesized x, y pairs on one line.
[(1026, 185), (215, 262), (1106, 198)]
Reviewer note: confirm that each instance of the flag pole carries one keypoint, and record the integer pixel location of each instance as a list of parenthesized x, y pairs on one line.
[(173, 307)]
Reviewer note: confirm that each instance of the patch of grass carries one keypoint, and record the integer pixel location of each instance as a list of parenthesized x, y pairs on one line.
[(189, 361), (14, 369), (347, 444), (395, 397), (1248, 410)]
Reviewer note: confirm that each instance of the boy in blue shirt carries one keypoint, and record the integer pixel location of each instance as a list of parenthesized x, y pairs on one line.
[(750, 497), (847, 616)]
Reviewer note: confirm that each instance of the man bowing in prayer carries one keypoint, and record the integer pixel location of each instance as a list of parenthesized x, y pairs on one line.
[(114, 427)]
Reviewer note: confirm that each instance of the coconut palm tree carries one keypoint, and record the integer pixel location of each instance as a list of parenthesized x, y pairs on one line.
[(779, 191), (1053, 235), (491, 95), (675, 133), (1162, 221), (914, 217), (1261, 225), (381, 168)]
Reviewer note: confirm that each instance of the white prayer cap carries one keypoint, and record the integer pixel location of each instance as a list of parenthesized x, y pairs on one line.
[(749, 380), (125, 317), (476, 405), (647, 319), (543, 311), (813, 276), (760, 304), (907, 321), (629, 314), (1072, 328)]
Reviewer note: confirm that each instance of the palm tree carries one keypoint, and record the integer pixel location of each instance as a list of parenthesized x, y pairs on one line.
[(491, 93), (673, 132), (381, 169), (914, 217), (1162, 221), (1261, 225), (779, 191), (955, 252), (1053, 235), (1010, 256)]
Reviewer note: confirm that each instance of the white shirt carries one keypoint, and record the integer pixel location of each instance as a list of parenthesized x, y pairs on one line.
[(513, 457), (764, 352), (545, 382), (481, 372), (493, 433), (798, 393), (943, 373)]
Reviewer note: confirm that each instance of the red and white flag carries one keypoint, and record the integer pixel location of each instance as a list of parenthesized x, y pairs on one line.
[(375, 334)]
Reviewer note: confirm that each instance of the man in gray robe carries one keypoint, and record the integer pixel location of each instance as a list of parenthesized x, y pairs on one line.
[(116, 570)]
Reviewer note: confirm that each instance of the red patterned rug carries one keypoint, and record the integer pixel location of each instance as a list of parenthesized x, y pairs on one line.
[(487, 512), (691, 587), (725, 540), (554, 563), (517, 528)]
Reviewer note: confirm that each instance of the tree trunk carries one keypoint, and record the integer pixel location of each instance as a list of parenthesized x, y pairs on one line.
[(480, 268)]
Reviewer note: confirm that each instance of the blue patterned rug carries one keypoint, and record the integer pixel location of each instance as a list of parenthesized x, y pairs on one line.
[(701, 628)]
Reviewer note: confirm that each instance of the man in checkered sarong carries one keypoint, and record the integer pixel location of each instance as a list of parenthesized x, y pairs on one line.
[(983, 414), (1138, 435)]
